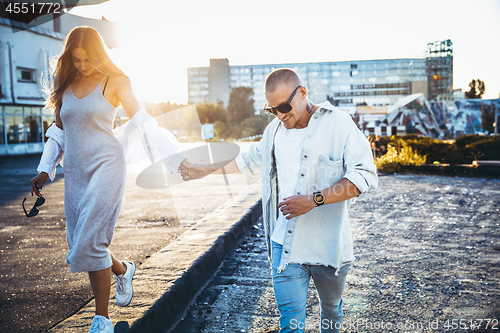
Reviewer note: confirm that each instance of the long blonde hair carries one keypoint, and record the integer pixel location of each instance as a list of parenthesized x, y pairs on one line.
[(85, 38)]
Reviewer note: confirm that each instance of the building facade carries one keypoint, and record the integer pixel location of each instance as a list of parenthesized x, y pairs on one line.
[(25, 55), (344, 83), (439, 64)]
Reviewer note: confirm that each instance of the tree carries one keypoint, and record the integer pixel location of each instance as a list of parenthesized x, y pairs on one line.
[(209, 113), (477, 89), (240, 106), (253, 126)]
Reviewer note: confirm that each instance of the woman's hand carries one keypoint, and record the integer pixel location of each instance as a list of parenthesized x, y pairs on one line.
[(38, 182), (190, 171)]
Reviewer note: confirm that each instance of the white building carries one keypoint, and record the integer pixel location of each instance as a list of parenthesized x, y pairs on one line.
[(25, 55), (347, 83)]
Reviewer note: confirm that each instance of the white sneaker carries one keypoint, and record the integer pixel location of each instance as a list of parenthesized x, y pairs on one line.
[(124, 290), (101, 324)]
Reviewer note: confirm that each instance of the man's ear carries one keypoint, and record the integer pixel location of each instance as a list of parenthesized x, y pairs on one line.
[(303, 92)]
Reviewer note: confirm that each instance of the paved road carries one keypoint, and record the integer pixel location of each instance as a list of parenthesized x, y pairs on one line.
[(36, 288), (427, 250)]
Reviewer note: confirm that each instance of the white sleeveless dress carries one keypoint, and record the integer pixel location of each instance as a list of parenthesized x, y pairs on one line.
[(94, 176)]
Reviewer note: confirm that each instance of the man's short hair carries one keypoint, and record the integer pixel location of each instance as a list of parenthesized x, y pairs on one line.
[(281, 76)]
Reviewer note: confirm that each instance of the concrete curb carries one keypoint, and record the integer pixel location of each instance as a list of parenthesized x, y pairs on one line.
[(168, 281), (169, 308)]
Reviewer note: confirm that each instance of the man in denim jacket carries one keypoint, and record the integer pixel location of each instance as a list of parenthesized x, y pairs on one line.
[(313, 161)]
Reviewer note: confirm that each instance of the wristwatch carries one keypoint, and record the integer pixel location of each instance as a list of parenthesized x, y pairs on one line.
[(318, 198)]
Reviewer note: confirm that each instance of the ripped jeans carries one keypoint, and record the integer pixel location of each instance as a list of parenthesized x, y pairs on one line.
[(290, 290)]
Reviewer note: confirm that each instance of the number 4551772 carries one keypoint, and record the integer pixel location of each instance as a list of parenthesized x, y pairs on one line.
[(32, 8), (463, 324)]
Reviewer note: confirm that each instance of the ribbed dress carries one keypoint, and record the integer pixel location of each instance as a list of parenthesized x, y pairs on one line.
[(94, 176)]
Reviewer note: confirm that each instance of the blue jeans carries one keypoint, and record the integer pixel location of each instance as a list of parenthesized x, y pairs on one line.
[(290, 290)]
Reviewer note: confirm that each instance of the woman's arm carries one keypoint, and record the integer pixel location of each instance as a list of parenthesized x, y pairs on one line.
[(158, 144), (121, 89), (51, 156)]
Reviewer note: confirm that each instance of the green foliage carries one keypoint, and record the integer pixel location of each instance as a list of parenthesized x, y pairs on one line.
[(219, 129), (398, 154), (240, 105), (461, 151), (435, 150), (489, 146), (210, 113), (186, 124), (465, 140), (252, 126), (156, 109)]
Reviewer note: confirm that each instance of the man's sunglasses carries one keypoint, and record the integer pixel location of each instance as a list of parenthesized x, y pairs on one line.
[(34, 211), (282, 108)]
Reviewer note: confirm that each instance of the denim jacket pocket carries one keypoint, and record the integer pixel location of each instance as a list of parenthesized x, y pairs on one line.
[(329, 172)]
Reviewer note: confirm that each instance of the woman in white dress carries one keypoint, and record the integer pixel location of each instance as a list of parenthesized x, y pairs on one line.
[(87, 90)]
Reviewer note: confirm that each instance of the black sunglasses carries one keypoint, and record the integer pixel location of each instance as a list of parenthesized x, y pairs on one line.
[(282, 108), (34, 211)]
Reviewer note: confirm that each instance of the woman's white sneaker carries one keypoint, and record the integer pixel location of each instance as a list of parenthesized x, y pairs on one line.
[(124, 291), (101, 324)]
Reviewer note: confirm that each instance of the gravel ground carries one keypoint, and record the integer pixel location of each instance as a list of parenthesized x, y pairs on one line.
[(428, 260)]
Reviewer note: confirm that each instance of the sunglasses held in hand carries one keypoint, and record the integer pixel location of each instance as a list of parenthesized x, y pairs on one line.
[(34, 211), (283, 107)]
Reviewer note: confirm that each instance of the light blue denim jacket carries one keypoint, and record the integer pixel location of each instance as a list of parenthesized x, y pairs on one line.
[(333, 148)]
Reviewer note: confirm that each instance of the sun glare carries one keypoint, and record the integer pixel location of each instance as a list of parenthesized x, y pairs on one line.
[(161, 39)]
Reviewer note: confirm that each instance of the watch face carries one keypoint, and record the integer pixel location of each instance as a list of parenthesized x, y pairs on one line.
[(319, 198)]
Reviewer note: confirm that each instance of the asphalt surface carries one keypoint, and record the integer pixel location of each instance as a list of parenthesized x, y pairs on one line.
[(427, 251), (428, 260), (37, 291)]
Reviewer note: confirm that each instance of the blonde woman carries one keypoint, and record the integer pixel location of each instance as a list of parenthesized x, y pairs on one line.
[(87, 90)]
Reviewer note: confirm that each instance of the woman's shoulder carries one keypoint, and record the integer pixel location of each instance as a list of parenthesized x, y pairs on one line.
[(119, 78), (118, 81)]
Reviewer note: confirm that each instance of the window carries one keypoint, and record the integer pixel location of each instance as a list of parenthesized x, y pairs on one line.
[(14, 124), (2, 130), (25, 75), (33, 124), (354, 66)]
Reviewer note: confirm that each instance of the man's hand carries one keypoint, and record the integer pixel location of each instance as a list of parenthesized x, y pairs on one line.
[(296, 205)]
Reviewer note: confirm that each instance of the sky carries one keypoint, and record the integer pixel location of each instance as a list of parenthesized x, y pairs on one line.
[(162, 38)]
